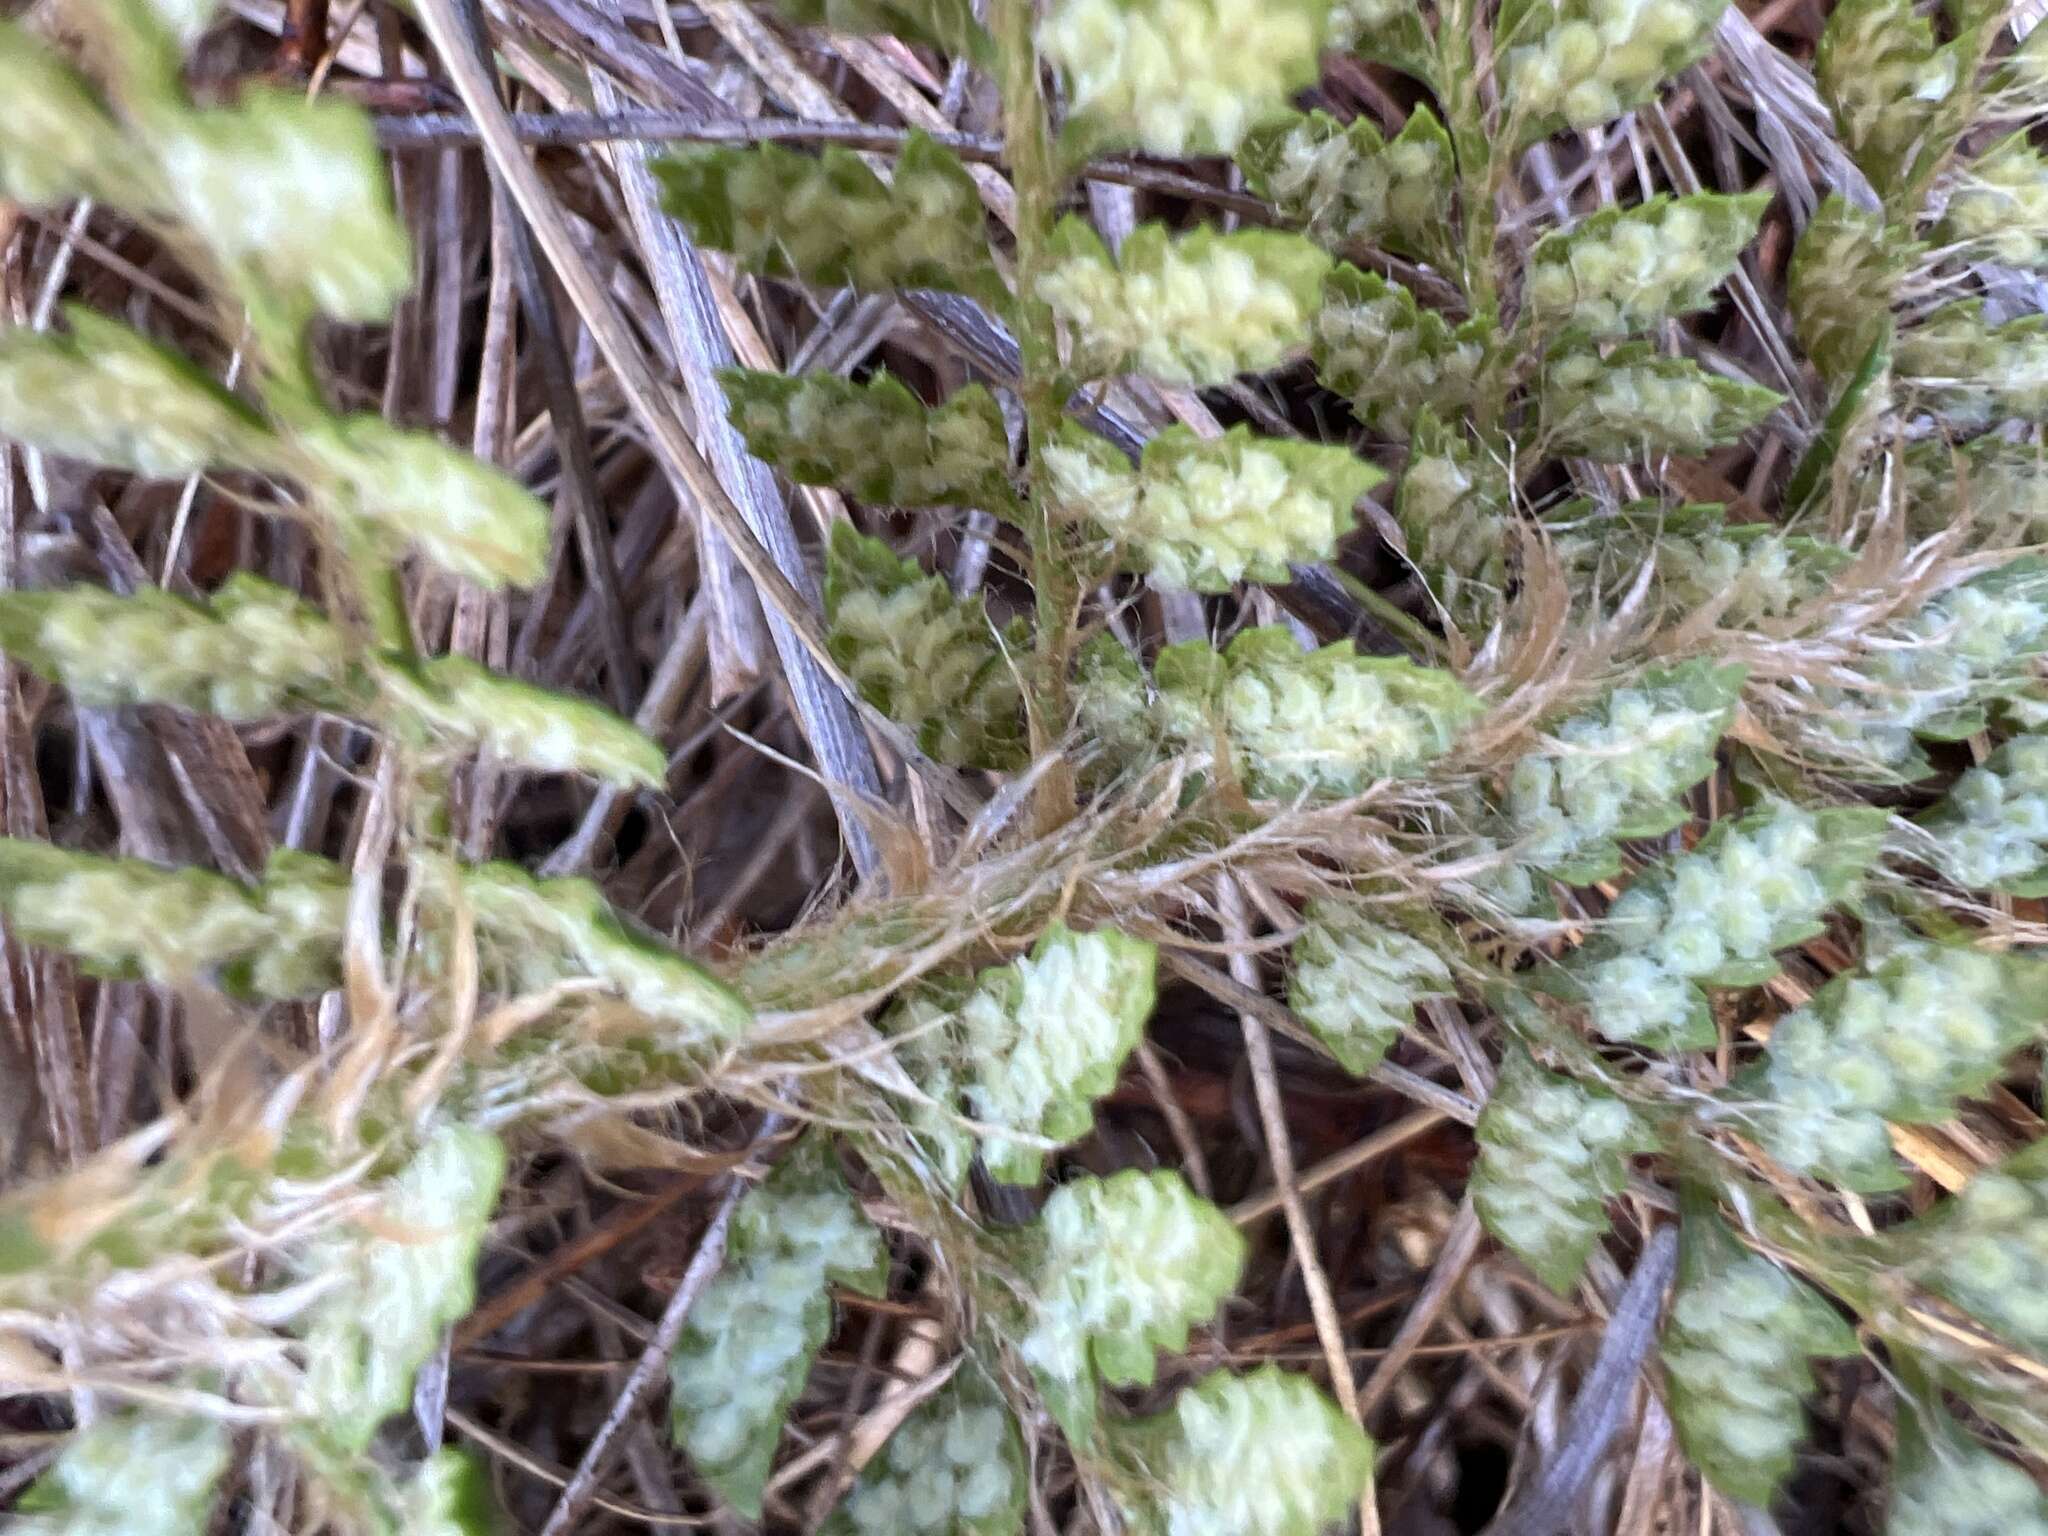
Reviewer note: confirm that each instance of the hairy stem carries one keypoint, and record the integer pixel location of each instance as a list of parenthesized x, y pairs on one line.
[(1027, 142), (1458, 73)]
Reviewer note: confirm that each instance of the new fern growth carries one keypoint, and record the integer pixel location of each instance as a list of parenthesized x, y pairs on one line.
[(1583, 781)]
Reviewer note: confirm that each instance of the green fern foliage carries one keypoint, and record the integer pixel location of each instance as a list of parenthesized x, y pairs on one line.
[(1194, 309), (876, 440), (1047, 1034), (105, 394), (2000, 209), (1983, 1249), (1974, 370), (1355, 982), (929, 660), (828, 219), (1552, 1152), (125, 917), (459, 703), (1318, 724), (751, 1337), (412, 489), (1938, 675), (1013, 1059), (1634, 402), (1741, 573), (131, 1474), (253, 650), (1736, 1350), (1844, 271), (1715, 917), (954, 1468), (1892, 88), (1179, 77), (546, 931), (1618, 770), (450, 1495), (1347, 184), (293, 201), (1993, 827), (396, 1279), (1902, 1042), (1624, 269), (57, 141), (1455, 506), (1391, 359), (1122, 1268), (1263, 1454), (1580, 63), (1948, 1484), (1206, 513), (1389, 31)]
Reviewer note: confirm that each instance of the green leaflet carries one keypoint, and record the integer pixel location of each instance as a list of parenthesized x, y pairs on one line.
[(1318, 724), (1455, 505), (1355, 982), (747, 1348), (1119, 718), (1179, 77), (1974, 372), (252, 650), (1344, 184), (1552, 1152), (1120, 1268), (471, 708), (56, 141), (1389, 31), (827, 219), (1624, 269), (130, 1474), (1986, 1248), (1263, 1454), (948, 25), (1581, 63), (956, 1467), (929, 660), (1999, 209), (304, 901), (1939, 671), (1992, 830), (1634, 403), (470, 519), (292, 198), (400, 1276), (1207, 513), (2000, 486), (1392, 359), (1844, 271), (877, 441), (1744, 572), (126, 918), (1048, 1033), (1716, 917), (1027, 1046), (1902, 1041), (1898, 98), (1195, 309), (450, 1494), (1736, 1349), (1946, 1483), (1619, 770), (104, 394), (543, 931)]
